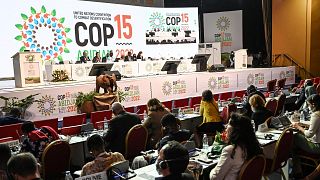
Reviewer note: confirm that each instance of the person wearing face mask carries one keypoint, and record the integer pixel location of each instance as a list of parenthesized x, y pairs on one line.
[(307, 140), (259, 112)]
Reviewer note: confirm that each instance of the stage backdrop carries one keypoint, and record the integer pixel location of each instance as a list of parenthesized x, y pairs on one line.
[(224, 27), (62, 30)]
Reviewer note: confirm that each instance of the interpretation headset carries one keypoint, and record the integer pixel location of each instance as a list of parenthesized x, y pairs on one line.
[(163, 164)]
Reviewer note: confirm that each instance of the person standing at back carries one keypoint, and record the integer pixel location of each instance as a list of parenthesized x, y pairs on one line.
[(118, 128)]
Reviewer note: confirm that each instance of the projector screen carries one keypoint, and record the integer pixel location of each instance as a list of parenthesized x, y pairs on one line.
[(62, 30)]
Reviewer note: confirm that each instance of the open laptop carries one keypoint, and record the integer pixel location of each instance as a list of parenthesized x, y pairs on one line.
[(281, 121)]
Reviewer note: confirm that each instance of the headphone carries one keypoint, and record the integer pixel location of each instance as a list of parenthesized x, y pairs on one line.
[(163, 164)]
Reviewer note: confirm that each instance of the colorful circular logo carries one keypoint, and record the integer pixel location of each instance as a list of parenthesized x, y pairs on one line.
[(46, 105), (250, 79), (156, 21), (148, 67), (167, 88), (45, 33), (282, 75), (223, 23), (212, 83), (79, 71)]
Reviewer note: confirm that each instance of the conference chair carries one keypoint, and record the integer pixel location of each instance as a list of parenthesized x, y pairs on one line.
[(74, 120), (308, 159), (226, 112), (253, 168), (271, 85), (281, 154), (98, 116), (12, 130), (216, 97), (6, 139), (281, 83), (56, 160), (181, 103), (168, 104), (271, 105), (196, 108), (141, 109), (71, 130), (225, 96), (136, 141), (280, 104), (130, 109), (195, 100), (240, 94), (53, 123)]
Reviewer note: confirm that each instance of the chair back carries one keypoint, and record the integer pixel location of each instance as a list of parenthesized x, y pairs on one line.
[(271, 105), (271, 85), (281, 83), (12, 130), (196, 108), (240, 93), (225, 96), (282, 149), (53, 123), (74, 120), (181, 103), (168, 104), (6, 139), (141, 109), (195, 100), (136, 141), (226, 112), (129, 109), (71, 130), (56, 159), (253, 168), (301, 83), (280, 104), (99, 116)]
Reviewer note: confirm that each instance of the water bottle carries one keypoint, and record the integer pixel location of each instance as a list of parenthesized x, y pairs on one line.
[(68, 176), (205, 142), (253, 125), (302, 117)]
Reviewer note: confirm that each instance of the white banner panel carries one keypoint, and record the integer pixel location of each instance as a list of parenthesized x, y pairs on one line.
[(62, 30), (256, 77), (174, 86), (284, 72), (217, 82), (224, 27)]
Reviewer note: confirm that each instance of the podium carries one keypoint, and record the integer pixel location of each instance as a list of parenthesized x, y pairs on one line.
[(240, 59), (211, 48), (28, 69)]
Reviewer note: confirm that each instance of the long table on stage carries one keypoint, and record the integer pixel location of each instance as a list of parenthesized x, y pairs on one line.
[(58, 99)]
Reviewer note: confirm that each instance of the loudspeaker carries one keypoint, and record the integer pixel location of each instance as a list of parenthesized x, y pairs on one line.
[(117, 73), (217, 68)]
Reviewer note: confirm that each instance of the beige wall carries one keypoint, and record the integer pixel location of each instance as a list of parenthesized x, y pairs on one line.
[(315, 38), (289, 29)]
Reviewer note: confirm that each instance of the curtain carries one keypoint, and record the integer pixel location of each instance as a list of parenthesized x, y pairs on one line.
[(267, 23)]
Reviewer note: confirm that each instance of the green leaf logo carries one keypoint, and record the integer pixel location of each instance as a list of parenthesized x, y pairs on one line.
[(53, 13), (43, 9), (24, 17), (19, 38), (33, 11), (19, 26), (61, 20)]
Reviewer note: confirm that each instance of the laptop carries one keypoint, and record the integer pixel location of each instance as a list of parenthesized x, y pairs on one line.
[(280, 122)]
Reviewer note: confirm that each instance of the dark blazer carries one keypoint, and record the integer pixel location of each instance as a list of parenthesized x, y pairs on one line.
[(180, 136), (118, 129), (260, 116)]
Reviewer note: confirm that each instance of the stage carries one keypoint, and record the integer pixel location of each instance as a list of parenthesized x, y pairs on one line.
[(58, 99)]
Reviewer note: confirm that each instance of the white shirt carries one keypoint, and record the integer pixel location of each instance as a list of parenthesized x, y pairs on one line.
[(313, 133), (228, 168)]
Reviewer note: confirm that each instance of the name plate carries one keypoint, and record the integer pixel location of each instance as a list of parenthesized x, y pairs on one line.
[(97, 176)]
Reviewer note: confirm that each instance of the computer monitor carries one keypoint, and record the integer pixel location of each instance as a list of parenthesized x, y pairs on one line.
[(98, 69), (170, 67), (201, 62)]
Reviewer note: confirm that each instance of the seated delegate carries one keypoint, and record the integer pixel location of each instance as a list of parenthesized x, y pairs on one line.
[(259, 112), (242, 146)]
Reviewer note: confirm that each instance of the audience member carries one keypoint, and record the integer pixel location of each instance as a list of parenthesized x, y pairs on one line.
[(119, 127), (36, 139), (23, 166), (300, 102), (84, 58), (243, 145), (210, 111), (171, 130), (4, 157), (153, 123), (251, 90), (259, 112), (128, 57), (97, 58), (103, 160), (309, 90), (307, 140), (172, 162), (140, 55)]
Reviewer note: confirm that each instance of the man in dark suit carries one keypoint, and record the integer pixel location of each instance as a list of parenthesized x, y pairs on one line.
[(119, 127), (84, 58), (128, 57)]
